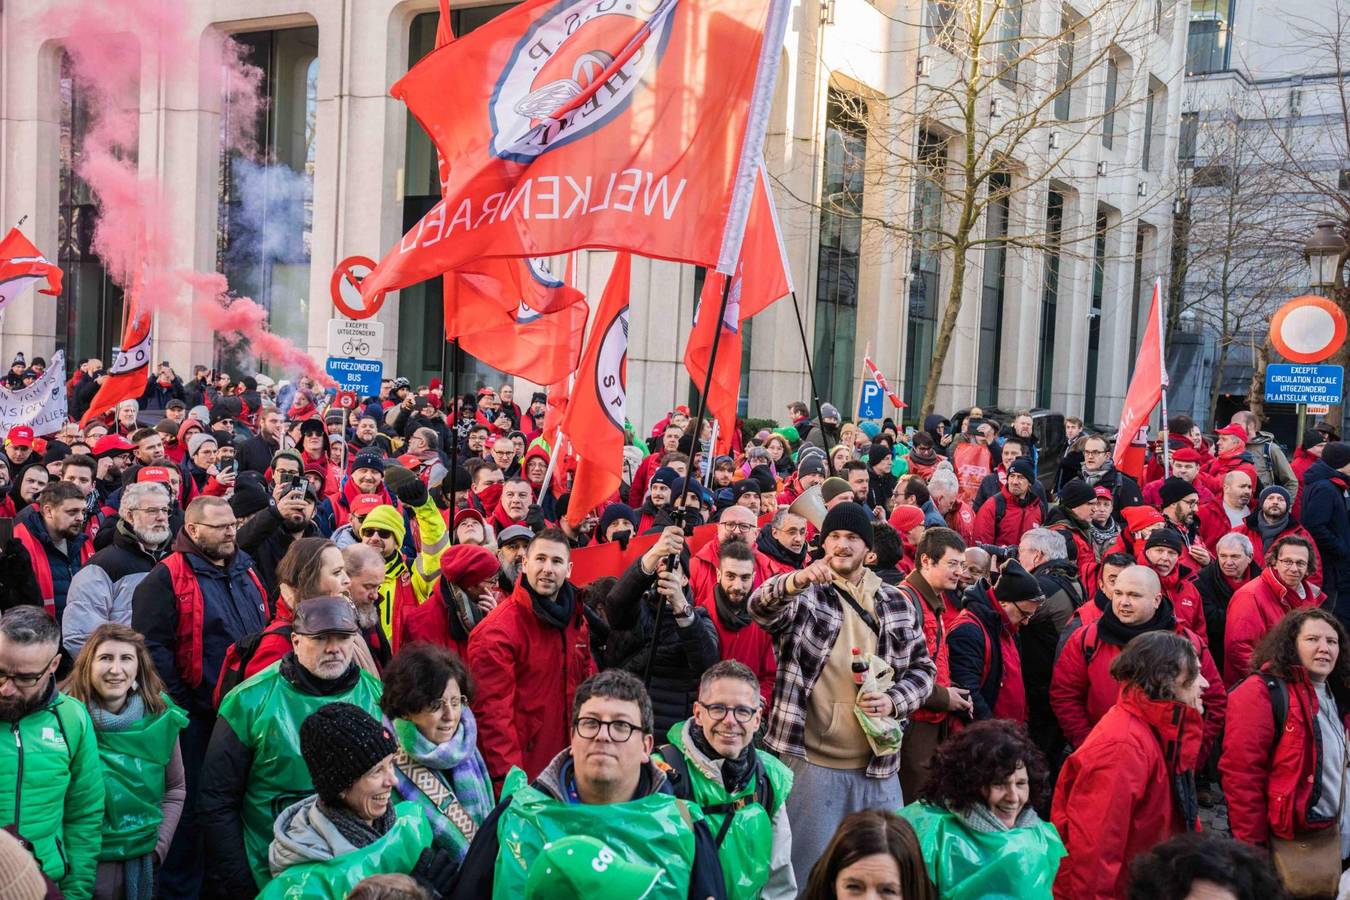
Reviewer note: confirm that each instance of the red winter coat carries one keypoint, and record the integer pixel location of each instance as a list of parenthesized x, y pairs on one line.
[(935, 627), (1082, 689), (1179, 587), (703, 570), (1017, 520), (637, 491), (1253, 611), (1214, 522), (1114, 797), (527, 673), (962, 520), (1272, 787), (430, 622), (1212, 474), (1300, 463), (750, 645), (1085, 555), (1259, 547)]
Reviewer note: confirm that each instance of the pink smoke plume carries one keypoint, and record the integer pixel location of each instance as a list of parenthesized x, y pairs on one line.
[(135, 229)]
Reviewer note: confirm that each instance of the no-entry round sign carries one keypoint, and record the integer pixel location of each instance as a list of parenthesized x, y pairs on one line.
[(345, 288), (1308, 329)]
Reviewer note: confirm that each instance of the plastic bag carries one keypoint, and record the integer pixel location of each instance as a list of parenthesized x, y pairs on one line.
[(884, 733)]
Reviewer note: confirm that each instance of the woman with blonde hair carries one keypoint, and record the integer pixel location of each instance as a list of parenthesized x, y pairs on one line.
[(137, 727)]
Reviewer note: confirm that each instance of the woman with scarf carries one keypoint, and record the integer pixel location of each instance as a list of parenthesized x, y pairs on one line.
[(975, 819), (350, 829), (437, 765), (779, 449), (137, 726), (1106, 807)]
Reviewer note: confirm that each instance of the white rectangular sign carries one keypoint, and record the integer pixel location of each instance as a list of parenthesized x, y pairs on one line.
[(41, 405), (355, 338)]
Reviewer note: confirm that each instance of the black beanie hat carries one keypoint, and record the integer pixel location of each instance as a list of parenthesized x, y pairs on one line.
[(613, 513), (1075, 493), (1336, 454), (1022, 466), (764, 477), (340, 743), (250, 495), (852, 517), (1312, 437), (368, 459), (1165, 537), (876, 453), (1174, 489), (743, 487), (1015, 584)]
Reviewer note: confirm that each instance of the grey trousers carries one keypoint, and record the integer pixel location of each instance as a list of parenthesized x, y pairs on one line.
[(819, 801)]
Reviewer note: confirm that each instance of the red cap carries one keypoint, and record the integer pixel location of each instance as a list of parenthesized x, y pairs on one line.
[(1103, 493), (20, 436), (1187, 454), (1137, 518), (465, 514), (39, 446), (408, 461), (485, 391), (1234, 431), (362, 504), (112, 443), (153, 473)]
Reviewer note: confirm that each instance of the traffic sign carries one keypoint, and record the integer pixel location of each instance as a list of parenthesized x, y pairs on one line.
[(1317, 409), (345, 288), (1308, 329), (1287, 383), (361, 376), (356, 339), (870, 402)]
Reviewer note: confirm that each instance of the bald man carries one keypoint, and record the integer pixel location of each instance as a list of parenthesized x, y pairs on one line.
[(736, 524), (1228, 510), (1082, 689)]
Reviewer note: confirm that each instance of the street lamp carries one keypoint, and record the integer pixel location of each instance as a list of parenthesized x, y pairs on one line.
[(1325, 253)]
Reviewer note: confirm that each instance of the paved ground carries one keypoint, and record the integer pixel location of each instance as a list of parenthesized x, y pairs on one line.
[(1215, 818)]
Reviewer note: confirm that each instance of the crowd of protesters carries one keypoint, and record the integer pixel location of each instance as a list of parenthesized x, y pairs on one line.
[(257, 643)]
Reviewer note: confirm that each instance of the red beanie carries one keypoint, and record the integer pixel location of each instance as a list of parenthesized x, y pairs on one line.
[(904, 518), (465, 565)]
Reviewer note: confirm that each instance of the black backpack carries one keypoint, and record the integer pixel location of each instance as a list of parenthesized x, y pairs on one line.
[(237, 658)]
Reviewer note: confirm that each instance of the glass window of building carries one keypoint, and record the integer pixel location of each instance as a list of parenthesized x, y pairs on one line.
[(89, 310), (421, 315), (267, 203), (925, 266), (1064, 72), (1009, 40), (1190, 133), (1146, 157), (992, 294), (1109, 107), (1054, 228), (841, 194), (1208, 39)]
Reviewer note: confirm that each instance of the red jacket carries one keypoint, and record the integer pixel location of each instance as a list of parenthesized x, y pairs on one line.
[(1294, 529), (1214, 522), (750, 645), (1272, 782), (1114, 797), (962, 520), (527, 673), (1212, 474), (1082, 689), (430, 621), (703, 570), (1300, 463), (637, 491), (1253, 611), (1179, 587), (1017, 518), (1085, 555)]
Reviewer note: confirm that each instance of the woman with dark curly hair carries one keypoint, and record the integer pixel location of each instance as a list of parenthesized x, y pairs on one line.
[(977, 829), (426, 704), (1284, 753), (1209, 865), (872, 854)]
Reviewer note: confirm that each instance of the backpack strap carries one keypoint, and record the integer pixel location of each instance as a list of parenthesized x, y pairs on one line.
[(437, 792), (968, 616), (868, 619), (1089, 648), (1279, 705), (676, 768)]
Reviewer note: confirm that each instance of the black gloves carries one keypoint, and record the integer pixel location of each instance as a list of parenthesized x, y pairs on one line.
[(435, 870), (405, 484)]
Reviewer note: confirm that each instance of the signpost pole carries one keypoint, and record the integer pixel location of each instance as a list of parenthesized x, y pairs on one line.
[(1302, 422)]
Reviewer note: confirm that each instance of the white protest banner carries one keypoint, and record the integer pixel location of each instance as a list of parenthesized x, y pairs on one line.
[(42, 405)]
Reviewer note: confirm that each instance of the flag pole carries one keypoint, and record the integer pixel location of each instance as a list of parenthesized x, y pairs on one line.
[(703, 394), (1162, 369), (450, 393), (811, 375), (552, 463), (710, 456)]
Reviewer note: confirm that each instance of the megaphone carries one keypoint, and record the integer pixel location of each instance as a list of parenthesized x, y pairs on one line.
[(809, 506)]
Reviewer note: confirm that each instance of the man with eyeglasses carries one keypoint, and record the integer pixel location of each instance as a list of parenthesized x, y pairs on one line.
[(253, 768), (711, 760), (52, 792), (100, 593), (1179, 501), (1100, 471), (1259, 604), (736, 524), (603, 783), (199, 600), (51, 532)]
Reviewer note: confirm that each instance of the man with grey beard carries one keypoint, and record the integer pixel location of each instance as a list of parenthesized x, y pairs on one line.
[(512, 543), (365, 567), (101, 591)]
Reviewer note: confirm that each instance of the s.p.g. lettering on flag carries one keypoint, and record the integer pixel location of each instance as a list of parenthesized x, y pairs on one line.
[(593, 124)]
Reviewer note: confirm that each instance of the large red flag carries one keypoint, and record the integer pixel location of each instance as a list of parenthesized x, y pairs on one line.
[(762, 277), (1146, 386), (543, 347), (131, 367), (21, 265), (569, 125), (599, 404)]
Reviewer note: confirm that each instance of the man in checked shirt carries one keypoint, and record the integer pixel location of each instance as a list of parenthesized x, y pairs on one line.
[(817, 616)]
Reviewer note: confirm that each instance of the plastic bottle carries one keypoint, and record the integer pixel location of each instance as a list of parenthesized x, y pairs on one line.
[(859, 666)]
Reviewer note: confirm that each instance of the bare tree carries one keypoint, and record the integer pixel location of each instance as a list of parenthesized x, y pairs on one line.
[(975, 128)]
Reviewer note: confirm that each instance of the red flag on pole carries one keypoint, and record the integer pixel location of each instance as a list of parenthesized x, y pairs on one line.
[(599, 404), (21, 265), (131, 367), (882, 382), (1146, 386), (614, 126)]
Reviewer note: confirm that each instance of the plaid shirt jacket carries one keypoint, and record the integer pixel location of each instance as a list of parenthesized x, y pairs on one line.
[(804, 628)]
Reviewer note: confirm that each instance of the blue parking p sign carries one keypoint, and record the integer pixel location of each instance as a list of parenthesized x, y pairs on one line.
[(360, 376), (870, 405)]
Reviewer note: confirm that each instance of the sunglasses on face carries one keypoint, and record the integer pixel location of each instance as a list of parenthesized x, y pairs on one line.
[(382, 533)]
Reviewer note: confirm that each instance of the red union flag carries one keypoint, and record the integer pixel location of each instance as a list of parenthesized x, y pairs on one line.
[(590, 123), (761, 277), (1146, 386), (543, 347), (21, 265), (599, 404), (491, 293), (131, 365)]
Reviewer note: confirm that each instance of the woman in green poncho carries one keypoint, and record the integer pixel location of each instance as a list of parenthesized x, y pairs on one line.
[(137, 728), (977, 828)]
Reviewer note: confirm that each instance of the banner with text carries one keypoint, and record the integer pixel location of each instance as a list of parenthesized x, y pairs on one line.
[(42, 405)]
